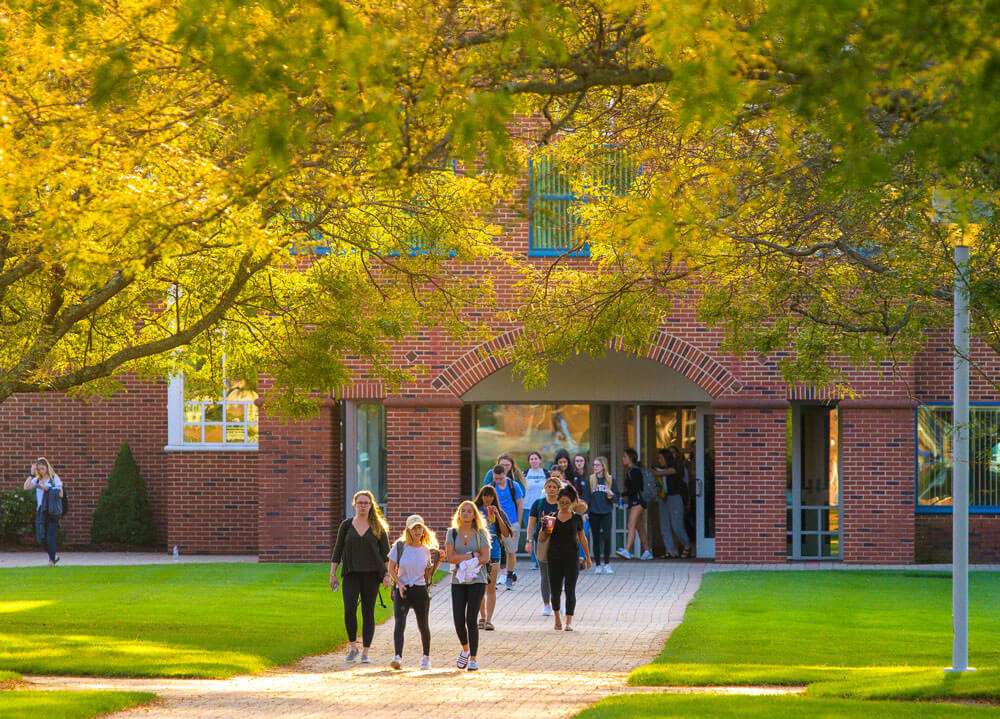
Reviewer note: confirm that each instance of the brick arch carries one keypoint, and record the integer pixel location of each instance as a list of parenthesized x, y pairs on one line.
[(696, 365)]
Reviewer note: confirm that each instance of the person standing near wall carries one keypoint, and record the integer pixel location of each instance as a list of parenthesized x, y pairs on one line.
[(635, 505), (362, 547), (510, 497), (413, 560), (496, 521), (671, 501), (602, 497), (43, 479), (541, 508), (565, 537), (468, 545)]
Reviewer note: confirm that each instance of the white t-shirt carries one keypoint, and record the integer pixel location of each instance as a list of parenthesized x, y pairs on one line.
[(412, 564), (40, 488), (534, 486)]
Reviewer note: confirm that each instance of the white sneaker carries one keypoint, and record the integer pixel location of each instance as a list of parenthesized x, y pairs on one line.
[(397, 662), (425, 663), (608, 569), (547, 610), (598, 569), (623, 553), (646, 555)]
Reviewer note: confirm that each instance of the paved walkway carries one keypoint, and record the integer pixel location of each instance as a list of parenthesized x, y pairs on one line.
[(528, 669)]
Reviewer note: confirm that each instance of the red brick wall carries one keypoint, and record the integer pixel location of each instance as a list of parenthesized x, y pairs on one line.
[(423, 464), (299, 497), (877, 485), (934, 538), (81, 440), (750, 481), (212, 502)]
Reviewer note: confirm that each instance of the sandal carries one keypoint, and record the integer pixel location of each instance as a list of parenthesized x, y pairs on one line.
[(488, 626), (558, 626), (482, 624), (569, 628)]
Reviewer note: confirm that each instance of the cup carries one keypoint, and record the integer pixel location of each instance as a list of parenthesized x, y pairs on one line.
[(550, 522), (492, 511)]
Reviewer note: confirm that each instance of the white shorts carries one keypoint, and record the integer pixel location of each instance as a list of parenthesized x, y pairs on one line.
[(510, 543)]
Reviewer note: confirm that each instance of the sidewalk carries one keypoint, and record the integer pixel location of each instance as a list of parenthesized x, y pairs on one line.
[(528, 670)]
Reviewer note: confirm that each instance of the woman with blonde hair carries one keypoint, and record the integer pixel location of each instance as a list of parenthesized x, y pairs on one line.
[(413, 560), (602, 497), (468, 547), (43, 479), (496, 521), (362, 546)]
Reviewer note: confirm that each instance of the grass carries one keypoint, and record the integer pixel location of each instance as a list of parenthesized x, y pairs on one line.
[(188, 620), (66, 705), (870, 630), (680, 706)]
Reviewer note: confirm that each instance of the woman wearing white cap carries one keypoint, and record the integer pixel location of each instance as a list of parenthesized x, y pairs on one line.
[(413, 560)]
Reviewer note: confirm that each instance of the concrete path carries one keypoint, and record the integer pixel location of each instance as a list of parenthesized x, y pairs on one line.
[(527, 669)]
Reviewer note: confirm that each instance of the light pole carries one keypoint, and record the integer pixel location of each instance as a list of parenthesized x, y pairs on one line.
[(960, 468)]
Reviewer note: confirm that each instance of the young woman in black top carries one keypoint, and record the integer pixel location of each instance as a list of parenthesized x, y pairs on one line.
[(565, 534), (362, 547)]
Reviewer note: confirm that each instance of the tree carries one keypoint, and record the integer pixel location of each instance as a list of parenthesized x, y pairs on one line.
[(123, 514)]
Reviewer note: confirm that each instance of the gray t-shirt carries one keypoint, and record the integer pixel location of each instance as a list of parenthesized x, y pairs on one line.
[(411, 564), (477, 541)]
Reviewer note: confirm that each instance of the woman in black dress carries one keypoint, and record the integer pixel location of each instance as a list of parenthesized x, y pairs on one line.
[(565, 534)]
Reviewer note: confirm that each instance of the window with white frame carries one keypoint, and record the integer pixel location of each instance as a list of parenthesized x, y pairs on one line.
[(229, 421)]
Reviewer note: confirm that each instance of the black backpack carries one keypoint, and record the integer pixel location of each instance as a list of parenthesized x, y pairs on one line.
[(55, 506)]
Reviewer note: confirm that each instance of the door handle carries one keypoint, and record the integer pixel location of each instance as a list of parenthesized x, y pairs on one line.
[(698, 488)]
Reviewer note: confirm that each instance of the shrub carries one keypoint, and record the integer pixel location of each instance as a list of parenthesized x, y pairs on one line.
[(17, 513), (123, 514)]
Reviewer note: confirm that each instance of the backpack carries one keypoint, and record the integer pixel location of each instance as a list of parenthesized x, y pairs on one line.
[(53, 504), (649, 488)]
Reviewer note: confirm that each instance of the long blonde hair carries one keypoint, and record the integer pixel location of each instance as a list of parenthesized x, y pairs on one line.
[(375, 519), (609, 479), (477, 524), (429, 539), (49, 472)]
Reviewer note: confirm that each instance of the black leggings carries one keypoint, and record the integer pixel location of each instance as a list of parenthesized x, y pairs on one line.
[(418, 598), (600, 529), (465, 601), (560, 571), (363, 585)]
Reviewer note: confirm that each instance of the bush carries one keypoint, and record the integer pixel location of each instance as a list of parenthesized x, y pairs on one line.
[(123, 514), (17, 514)]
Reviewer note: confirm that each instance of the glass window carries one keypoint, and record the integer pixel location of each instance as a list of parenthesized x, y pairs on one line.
[(934, 457), (370, 428), (231, 419), (553, 203), (522, 428)]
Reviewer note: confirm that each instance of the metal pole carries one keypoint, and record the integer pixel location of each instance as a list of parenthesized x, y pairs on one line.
[(960, 468)]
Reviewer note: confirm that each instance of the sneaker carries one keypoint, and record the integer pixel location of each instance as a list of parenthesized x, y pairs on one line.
[(425, 663), (513, 577), (463, 660), (509, 582), (501, 578), (473, 666), (397, 662), (547, 610), (365, 659), (352, 656), (598, 569), (608, 569), (646, 555), (623, 553), (534, 566)]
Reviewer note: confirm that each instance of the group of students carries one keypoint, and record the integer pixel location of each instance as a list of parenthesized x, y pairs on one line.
[(565, 504)]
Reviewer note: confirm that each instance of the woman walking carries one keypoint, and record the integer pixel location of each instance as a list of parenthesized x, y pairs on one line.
[(541, 508), (413, 560), (602, 498), (495, 519), (564, 534), (636, 505), (362, 547), (43, 479), (468, 545), (534, 489), (581, 484), (670, 498)]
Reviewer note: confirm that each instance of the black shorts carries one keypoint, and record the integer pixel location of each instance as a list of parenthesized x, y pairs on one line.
[(635, 502)]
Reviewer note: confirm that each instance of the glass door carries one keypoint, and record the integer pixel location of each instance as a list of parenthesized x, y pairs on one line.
[(813, 514), (704, 499)]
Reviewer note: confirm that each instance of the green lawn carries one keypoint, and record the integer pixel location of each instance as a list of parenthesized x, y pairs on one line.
[(66, 705), (185, 620)]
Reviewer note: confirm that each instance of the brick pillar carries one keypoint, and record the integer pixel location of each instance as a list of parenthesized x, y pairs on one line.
[(299, 469), (877, 452), (750, 480), (423, 438)]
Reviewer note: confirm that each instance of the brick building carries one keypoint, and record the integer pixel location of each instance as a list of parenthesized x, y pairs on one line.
[(783, 473)]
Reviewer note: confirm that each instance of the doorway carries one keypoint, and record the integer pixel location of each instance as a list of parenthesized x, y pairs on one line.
[(813, 486)]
